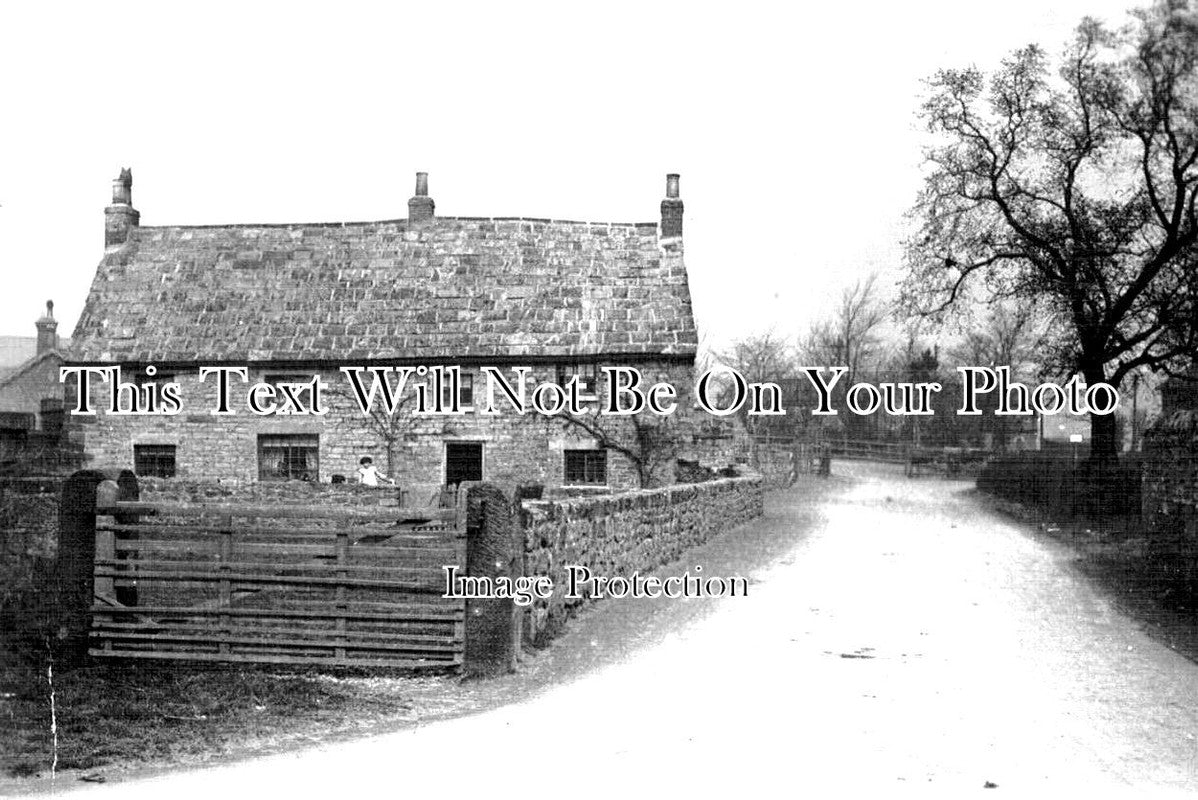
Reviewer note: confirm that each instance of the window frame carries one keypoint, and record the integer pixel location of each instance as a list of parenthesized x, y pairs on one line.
[(586, 468), (588, 373), (288, 443), (466, 393), (140, 452)]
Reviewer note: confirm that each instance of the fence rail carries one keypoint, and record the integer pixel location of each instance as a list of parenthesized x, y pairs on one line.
[(320, 585)]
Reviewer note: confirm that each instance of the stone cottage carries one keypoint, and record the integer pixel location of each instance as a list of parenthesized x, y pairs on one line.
[(290, 301)]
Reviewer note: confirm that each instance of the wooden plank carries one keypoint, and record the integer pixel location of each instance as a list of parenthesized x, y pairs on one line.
[(139, 567), (247, 580), (243, 658), (208, 547), (106, 549), (317, 637), (380, 514), (450, 610), (390, 536), (342, 557), (224, 640)]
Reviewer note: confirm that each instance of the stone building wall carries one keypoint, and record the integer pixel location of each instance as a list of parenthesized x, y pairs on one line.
[(516, 450), (624, 533), (1170, 477)]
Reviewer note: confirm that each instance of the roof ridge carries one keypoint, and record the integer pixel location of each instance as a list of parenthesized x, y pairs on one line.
[(403, 220), (28, 364)]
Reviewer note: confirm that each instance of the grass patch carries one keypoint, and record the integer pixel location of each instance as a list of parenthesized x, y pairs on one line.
[(149, 714)]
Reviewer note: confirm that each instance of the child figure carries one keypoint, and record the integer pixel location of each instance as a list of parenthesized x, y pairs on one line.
[(369, 475)]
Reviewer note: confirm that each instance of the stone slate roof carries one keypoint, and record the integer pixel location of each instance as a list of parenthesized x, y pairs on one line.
[(349, 292), (17, 352)]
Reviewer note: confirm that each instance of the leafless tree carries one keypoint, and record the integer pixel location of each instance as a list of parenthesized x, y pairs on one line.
[(388, 428), (1077, 190), (759, 358), (650, 443), (850, 336)]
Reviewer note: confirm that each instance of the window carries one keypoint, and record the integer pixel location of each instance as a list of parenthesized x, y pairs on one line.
[(288, 457), (154, 460), (588, 377), (586, 467), (466, 391), (463, 462)]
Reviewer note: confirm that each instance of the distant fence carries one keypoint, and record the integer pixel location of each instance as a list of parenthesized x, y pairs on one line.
[(893, 452), (238, 583), (782, 459)]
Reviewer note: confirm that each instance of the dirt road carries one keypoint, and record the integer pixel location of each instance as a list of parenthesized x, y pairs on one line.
[(896, 634)]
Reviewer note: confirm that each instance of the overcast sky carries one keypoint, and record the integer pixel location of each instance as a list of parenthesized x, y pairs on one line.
[(793, 126)]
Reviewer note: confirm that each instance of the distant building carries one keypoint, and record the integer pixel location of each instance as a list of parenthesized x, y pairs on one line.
[(31, 396), (32, 440)]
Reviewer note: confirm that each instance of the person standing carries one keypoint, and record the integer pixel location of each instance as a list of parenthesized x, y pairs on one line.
[(368, 473)]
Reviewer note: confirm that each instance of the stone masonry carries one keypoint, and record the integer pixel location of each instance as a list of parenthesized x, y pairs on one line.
[(623, 533)]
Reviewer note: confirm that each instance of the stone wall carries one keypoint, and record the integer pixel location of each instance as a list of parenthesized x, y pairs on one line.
[(624, 533), (1170, 482), (28, 545), (516, 450), (281, 493)]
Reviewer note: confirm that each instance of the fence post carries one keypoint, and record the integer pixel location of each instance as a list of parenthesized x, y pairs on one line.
[(492, 625), (74, 568)]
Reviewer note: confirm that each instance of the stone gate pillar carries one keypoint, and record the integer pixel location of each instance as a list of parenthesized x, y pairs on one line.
[(494, 548)]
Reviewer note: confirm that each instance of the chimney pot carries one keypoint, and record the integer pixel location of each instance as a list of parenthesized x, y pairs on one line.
[(120, 217), (671, 209), (421, 206), (47, 330), (122, 188)]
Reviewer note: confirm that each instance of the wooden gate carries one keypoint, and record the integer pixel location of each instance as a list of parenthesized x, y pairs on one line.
[(318, 585)]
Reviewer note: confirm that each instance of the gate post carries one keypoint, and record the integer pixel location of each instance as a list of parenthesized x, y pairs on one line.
[(74, 567), (492, 625)]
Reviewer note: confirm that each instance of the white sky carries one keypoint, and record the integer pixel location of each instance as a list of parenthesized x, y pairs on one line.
[(793, 127)]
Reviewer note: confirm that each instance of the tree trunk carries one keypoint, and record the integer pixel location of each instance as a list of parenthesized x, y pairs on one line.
[(1104, 444)]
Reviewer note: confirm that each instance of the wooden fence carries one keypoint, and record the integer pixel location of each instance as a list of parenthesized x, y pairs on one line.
[(805, 456), (298, 585)]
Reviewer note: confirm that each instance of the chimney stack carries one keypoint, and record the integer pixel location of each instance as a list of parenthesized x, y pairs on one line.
[(47, 330), (421, 206), (671, 209), (120, 217)]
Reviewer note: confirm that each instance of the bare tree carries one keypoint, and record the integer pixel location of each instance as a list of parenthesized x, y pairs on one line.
[(650, 443), (851, 337), (1077, 190), (1010, 335), (763, 357), (388, 428)]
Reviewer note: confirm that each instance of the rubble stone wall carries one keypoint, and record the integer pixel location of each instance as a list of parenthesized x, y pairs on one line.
[(625, 533)]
